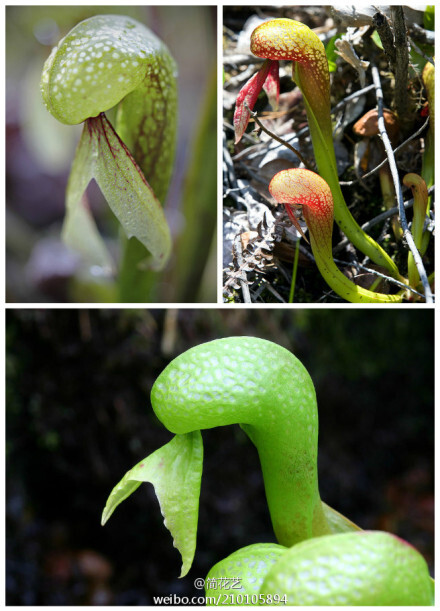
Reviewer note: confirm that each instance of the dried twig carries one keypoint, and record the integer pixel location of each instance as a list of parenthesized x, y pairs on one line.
[(375, 272), (380, 218), (395, 174), (277, 138), (420, 34), (239, 59), (420, 52), (249, 151), (236, 81), (352, 96), (275, 293), (351, 183), (252, 261)]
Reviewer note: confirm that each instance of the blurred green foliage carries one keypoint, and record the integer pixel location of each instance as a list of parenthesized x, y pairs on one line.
[(330, 51), (429, 17)]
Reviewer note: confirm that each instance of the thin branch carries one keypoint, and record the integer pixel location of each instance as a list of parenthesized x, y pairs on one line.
[(420, 34), (350, 183), (395, 174), (245, 167), (248, 152), (391, 212), (389, 279), (275, 293), (360, 266), (238, 59), (236, 81), (383, 216), (277, 138), (352, 96), (420, 52)]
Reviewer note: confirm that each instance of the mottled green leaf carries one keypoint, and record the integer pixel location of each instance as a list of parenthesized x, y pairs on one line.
[(146, 122), (175, 470), (114, 62), (98, 63)]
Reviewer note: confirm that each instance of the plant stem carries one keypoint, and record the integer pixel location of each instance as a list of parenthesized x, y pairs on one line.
[(294, 270), (326, 163)]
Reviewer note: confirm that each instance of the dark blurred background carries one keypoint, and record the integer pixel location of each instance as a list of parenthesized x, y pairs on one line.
[(78, 417), (40, 150)]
